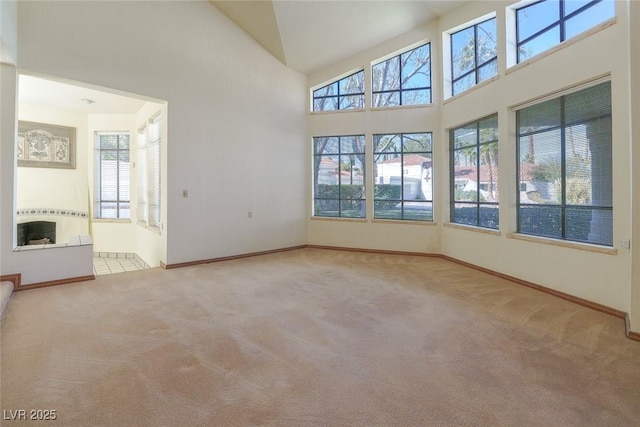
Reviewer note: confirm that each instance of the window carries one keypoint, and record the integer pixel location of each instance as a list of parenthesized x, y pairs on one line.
[(344, 94), (473, 55), (149, 162), (564, 152), (338, 176), (403, 176), (112, 176), (474, 173), (404, 79), (544, 24)]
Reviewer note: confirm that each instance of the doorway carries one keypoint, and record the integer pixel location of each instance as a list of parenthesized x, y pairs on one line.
[(102, 190)]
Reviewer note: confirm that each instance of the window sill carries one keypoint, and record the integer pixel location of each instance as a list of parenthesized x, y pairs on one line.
[(403, 222), (401, 107), (351, 110), (111, 221), (362, 110), (471, 89), (338, 219), (515, 67), (473, 228), (564, 244)]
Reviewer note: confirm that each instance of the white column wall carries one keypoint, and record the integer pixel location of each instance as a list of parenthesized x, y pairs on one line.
[(634, 90)]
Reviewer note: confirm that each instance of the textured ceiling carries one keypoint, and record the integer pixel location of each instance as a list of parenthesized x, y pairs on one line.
[(310, 34)]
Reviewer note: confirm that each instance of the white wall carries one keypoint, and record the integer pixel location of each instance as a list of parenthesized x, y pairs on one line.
[(598, 277), (56, 188), (230, 103)]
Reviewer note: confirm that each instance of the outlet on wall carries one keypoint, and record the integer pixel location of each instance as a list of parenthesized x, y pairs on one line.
[(249, 214)]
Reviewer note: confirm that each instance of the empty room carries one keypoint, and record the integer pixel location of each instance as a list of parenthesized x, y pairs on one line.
[(320, 212)]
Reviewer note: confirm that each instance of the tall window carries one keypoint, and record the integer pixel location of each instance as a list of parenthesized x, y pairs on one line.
[(564, 168), (149, 162), (338, 176), (474, 173), (403, 176), (544, 24), (404, 79), (473, 55), (344, 94), (112, 176)]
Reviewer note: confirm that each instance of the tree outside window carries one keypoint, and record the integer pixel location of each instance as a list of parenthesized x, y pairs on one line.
[(474, 56)]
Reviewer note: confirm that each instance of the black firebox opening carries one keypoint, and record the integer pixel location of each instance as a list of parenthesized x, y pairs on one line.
[(36, 232)]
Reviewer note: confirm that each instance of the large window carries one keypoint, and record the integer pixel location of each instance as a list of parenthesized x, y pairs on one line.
[(544, 24), (404, 79), (403, 176), (112, 176), (149, 162), (344, 94), (474, 173), (338, 176), (473, 55), (564, 167)]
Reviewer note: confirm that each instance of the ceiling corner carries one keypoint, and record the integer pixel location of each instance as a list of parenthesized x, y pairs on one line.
[(258, 19)]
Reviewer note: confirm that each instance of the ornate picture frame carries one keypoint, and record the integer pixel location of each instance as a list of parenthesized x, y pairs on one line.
[(43, 145)]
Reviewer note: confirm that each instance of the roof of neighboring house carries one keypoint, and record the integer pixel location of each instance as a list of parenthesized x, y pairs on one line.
[(470, 172), (328, 162), (411, 160)]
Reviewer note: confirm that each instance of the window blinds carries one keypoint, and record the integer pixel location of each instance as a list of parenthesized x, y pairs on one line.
[(149, 165), (565, 167), (112, 176)]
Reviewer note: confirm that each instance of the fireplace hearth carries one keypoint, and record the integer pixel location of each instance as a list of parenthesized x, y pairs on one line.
[(36, 233)]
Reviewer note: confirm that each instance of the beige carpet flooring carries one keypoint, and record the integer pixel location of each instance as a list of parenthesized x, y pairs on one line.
[(315, 337)]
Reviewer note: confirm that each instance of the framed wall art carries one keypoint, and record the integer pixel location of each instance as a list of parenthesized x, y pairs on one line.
[(46, 146)]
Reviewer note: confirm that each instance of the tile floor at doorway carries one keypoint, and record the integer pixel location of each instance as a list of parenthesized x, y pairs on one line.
[(116, 262)]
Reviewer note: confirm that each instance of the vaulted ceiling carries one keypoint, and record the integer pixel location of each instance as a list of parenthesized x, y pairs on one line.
[(310, 34)]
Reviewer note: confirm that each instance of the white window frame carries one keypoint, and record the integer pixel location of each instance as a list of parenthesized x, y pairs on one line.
[(446, 52), (149, 173), (97, 195)]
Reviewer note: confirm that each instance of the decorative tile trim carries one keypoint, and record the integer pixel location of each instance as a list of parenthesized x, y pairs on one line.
[(53, 212)]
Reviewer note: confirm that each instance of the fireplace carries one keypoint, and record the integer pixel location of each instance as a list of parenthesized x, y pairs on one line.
[(36, 233)]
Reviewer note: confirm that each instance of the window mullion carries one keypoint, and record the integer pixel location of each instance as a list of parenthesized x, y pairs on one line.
[(100, 178), (400, 78), (475, 53), (478, 173), (563, 168), (562, 22), (339, 174), (402, 176), (118, 177)]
